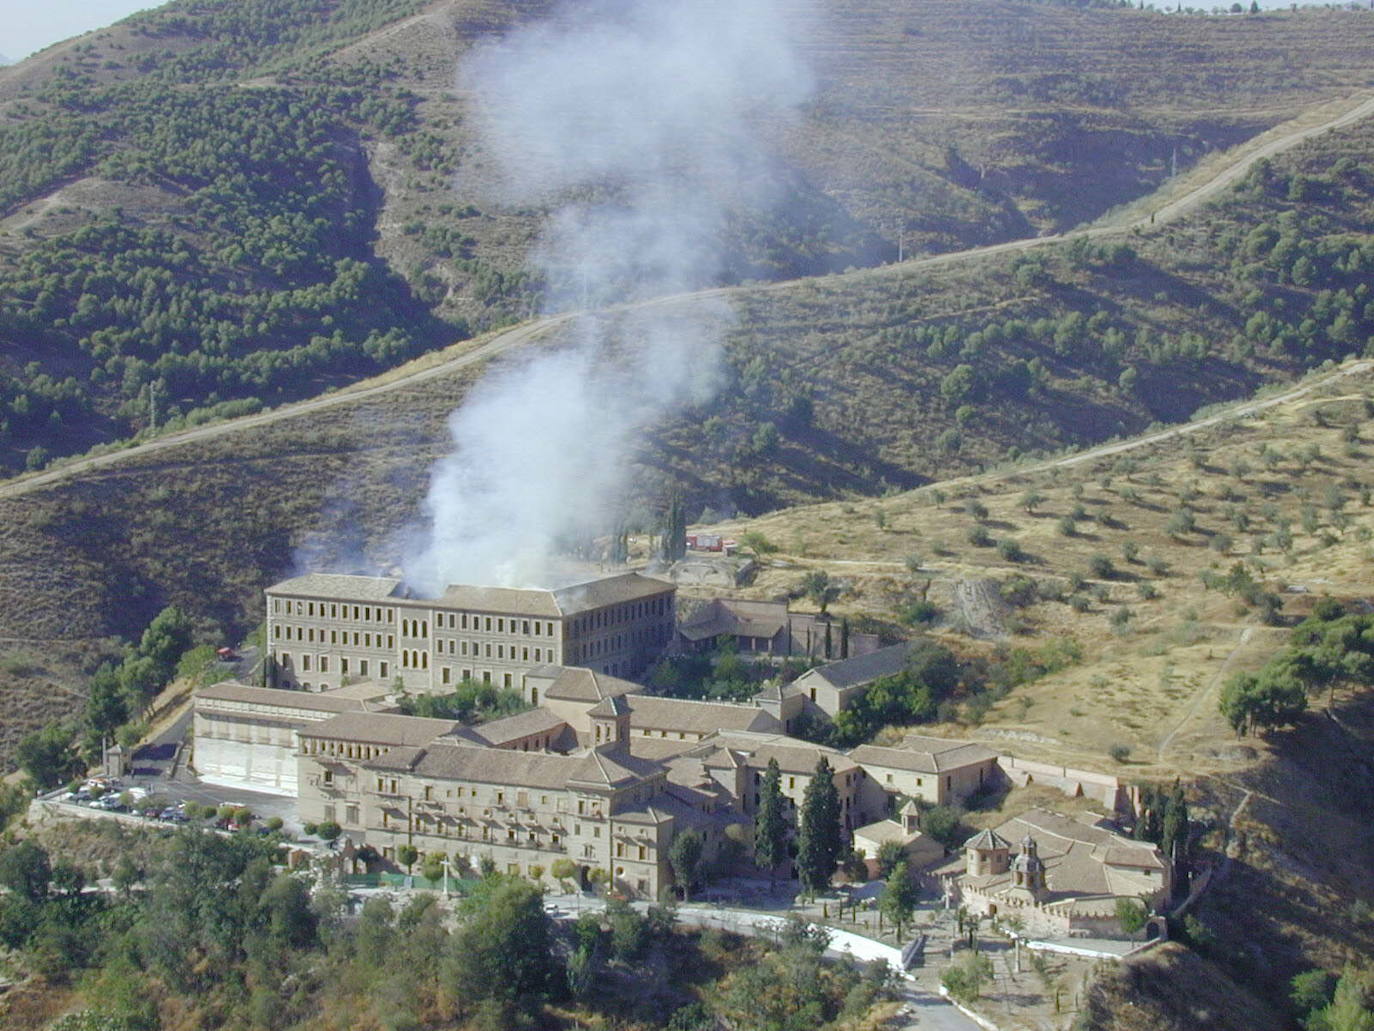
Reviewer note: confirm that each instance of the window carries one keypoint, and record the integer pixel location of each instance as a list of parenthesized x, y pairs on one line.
[(305, 663), (328, 777), (382, 668), (446, 675), (362, 667), (351, 814), (324, 663)]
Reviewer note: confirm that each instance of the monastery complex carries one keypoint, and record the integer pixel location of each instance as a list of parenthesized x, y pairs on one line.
[(601, 773)]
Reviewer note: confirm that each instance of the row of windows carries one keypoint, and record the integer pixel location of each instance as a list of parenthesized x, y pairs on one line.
[(361, 613), (617, 642), (615, 614), (476, 648), (322, 665), (309, 635), (488, 624)]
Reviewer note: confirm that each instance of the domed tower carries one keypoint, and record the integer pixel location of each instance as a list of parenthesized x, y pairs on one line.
[(987, 852), (1028, 870)]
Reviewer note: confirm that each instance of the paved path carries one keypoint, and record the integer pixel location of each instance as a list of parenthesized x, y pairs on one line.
[(1232, 167)]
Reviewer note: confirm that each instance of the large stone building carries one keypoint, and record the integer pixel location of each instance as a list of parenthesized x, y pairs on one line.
[(326, 629), (933, 769), (1062, 878), (390, 781)]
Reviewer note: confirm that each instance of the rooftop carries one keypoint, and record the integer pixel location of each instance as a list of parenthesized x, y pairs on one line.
[(233, 691), (649, 712), (861, 669), (924, 755), (578, 684), (375, 728), (520, 601)]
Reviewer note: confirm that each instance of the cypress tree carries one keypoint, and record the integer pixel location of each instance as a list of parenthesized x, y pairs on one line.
[(770, 824), (819, 843)]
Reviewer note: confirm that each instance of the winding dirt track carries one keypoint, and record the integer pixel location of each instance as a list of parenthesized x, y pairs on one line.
[(1230, 171)]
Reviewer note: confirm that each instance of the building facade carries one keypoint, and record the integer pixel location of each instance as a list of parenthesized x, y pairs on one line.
[(935, 770), (612, 814), (1062, 878), (325, 630)]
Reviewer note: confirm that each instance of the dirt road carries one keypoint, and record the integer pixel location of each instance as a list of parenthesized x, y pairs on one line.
[(1229, 171)]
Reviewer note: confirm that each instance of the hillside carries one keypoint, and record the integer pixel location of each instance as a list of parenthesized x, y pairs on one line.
[(212, 207), (853, 377)]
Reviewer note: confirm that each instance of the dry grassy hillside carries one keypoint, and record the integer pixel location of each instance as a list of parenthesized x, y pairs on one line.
[(1111, 550)]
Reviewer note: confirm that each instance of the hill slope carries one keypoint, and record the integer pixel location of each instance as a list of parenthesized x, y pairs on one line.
[(242, 203)]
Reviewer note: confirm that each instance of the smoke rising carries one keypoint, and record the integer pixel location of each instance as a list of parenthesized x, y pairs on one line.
[(636, 124)]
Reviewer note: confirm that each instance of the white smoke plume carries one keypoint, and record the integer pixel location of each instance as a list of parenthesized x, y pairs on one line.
[(638, 124)]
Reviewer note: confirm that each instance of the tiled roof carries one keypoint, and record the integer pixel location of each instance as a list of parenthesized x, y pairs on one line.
[(794, 755), (649, 712), (1084, 858), (374, 728), (610, 706), (862, 669), (938, 755), (512, 728), (338, 586), (613, 767), (578, 684), (987, 839), (232, 691), (517, 601)]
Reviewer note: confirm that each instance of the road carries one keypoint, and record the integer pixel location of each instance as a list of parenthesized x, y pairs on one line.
[(1230, 171)]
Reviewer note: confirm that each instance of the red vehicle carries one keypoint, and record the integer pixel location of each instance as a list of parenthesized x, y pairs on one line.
[(226, 654)]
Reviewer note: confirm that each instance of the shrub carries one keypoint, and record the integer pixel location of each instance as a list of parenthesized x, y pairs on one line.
[(328, 830), (1119, 753), (1101, 567), (1010, 550), (979, 537)]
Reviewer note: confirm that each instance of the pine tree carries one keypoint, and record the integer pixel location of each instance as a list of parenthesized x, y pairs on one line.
[(770, 825), (819, 842)]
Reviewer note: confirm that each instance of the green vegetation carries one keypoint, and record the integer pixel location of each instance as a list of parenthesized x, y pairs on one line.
[(1331, 647), (819, 843), (793, 989), (470, 702), (724, 675), (770, 822), (208, 929), (116, 699)]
